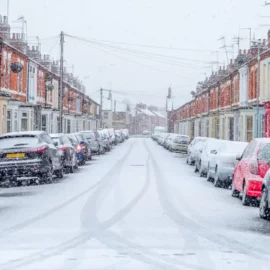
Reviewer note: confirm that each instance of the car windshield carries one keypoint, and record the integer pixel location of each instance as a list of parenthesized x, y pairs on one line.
[(56, 139), (88, 135), (264, 152), (18, 142), (73, 139)]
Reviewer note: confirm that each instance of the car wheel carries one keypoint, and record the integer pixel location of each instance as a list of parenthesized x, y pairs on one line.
[(48, 176), (235, 193), (59, 173), (72, 169), (208, 177), (264, 210), (201, 173), (196, 169), (245, 198), (217, 182)]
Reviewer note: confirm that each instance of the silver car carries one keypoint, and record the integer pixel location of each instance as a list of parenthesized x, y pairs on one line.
[(93, 140), (222, 162)]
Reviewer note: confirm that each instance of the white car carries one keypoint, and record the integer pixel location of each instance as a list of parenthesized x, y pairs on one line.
[(223, 161), (203, 154), (179, 144), (193, 148), (161, 138)]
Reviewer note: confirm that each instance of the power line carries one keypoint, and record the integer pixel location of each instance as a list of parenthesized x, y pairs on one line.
[(162, 56), (147, 46), (138, 63)]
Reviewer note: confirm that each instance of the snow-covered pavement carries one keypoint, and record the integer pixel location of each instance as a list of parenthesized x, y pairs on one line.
[(138, 207)]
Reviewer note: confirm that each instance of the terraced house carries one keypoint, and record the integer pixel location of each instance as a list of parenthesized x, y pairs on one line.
[(233, 103), (29, 90)]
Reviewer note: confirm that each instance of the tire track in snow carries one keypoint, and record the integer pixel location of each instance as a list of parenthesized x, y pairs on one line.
[(137, 252), (194, 227), (88, 234)]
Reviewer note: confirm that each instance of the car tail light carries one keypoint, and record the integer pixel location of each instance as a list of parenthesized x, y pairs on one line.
[(254, 167), (64, 148), (40, 149)]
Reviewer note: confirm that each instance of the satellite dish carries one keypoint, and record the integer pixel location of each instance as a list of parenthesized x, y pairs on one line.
[(16, 67)]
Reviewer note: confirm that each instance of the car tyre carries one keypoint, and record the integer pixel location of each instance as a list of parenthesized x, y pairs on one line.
[(201, 173), (245, 198), (208, 177), (264, 209), (235, 193), (59, 173)]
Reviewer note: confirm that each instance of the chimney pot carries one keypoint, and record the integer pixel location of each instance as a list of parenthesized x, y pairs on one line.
[(13, 35), (245, 51), (33, 48), (240, 52)]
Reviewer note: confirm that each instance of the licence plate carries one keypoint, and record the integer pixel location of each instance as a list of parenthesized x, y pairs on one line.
[(17, 155)]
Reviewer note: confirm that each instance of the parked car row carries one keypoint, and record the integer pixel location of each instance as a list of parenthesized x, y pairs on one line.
[(241, 166), (172, 142), (34, 157)]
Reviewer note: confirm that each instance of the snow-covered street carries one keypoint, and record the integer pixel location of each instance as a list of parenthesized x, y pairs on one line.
[(137, 207)]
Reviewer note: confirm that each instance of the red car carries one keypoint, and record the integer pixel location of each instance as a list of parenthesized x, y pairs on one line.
[(250, 170)]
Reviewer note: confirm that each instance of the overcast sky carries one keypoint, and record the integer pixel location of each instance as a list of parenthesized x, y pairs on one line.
[(195, 25)]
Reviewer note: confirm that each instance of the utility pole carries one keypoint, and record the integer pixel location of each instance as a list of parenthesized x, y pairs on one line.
[(114, 114), (101, 105), (257, 89), (61, 82)]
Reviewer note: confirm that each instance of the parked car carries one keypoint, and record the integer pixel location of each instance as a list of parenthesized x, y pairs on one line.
[(81, 150), (204, 153), (193, 148), (28, 157), (84, 141), (118, 136), (265, 199), (168, 140), (145, 132), (105, 140), (222, 162), (93, 140), (69, 157), (250, 170), (126, 133), (121, 134), (112, 134), (179, 144), (161, 138)]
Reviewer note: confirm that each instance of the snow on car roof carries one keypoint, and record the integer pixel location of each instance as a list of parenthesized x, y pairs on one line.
[(56, 134), (21, 133), (263, 140)]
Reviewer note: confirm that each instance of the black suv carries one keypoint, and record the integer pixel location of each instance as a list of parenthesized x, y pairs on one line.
[(27, 157)]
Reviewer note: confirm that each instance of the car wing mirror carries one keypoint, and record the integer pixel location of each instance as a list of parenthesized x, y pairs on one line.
[(55, 143), (238, 156), (214, 152)]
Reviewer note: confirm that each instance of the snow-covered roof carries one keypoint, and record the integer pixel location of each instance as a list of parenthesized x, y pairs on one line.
[(147, 112), (158, 114)]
